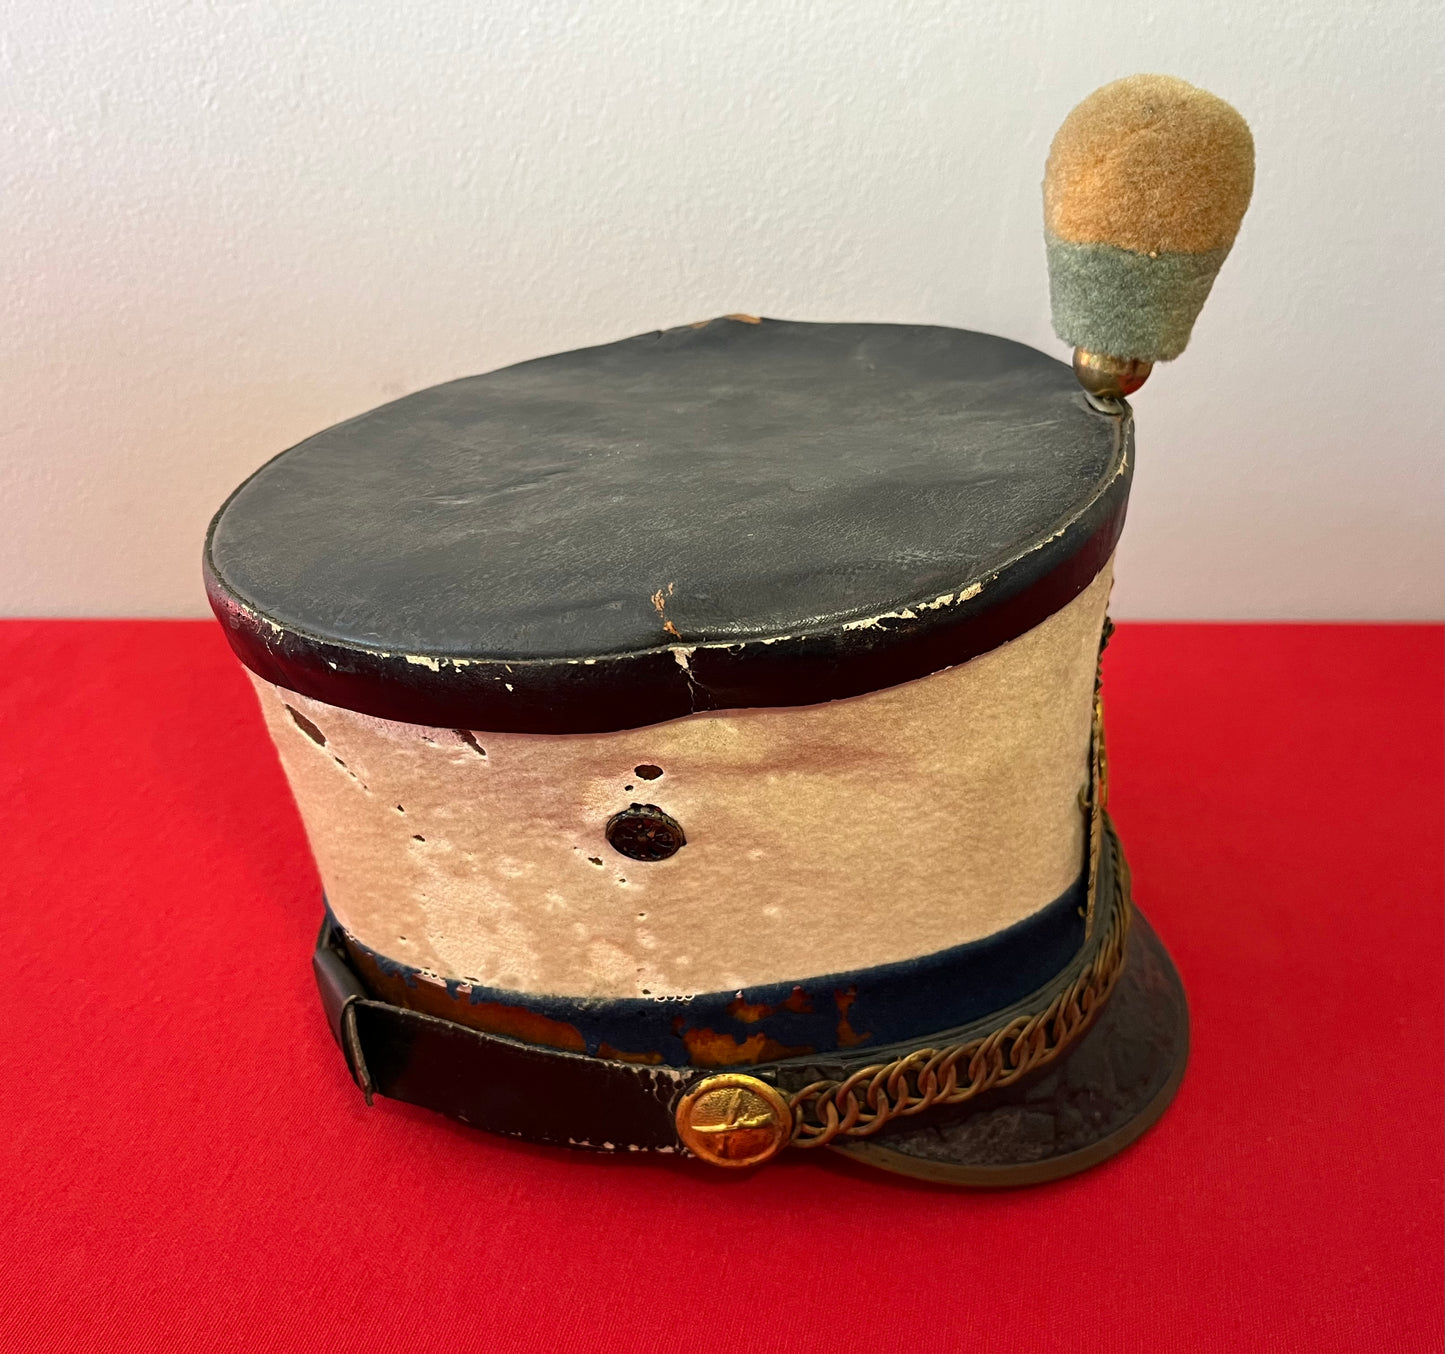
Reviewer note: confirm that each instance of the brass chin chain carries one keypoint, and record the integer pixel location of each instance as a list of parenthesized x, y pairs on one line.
[(736, 1120), (873, 1095)]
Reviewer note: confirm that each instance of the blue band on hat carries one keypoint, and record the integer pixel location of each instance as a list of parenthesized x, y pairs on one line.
[(889, 1003)]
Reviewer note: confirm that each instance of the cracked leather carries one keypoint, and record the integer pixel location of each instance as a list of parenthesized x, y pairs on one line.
[(711, 517)]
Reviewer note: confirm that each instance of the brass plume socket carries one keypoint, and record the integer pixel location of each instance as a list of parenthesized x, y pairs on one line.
[(1109, 378)]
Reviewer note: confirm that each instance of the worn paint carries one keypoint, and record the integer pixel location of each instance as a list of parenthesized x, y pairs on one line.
[(848, 1037), (659, 601), (748, 1012), (433, 997), (751, 1012), (709, 1048), (605, 1050), (910, 613)]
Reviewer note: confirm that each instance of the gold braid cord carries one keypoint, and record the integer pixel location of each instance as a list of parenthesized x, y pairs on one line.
[(874, 1095)]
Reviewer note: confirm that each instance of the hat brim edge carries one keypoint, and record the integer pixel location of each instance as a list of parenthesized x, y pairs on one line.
[(1150, 990)]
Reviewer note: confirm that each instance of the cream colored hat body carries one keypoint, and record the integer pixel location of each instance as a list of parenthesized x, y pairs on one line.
[(820, 839), (704, 696)]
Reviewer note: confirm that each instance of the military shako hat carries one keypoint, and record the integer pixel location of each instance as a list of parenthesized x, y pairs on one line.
[(700, 737)]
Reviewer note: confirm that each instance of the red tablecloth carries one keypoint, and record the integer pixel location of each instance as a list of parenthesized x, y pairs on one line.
[(184, 1164)]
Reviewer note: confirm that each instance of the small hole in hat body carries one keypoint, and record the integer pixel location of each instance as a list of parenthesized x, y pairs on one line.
[(308, 728), (470, 739)]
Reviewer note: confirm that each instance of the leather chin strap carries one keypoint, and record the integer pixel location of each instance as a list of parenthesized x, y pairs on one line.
[(526, 1091), (567, 1099)]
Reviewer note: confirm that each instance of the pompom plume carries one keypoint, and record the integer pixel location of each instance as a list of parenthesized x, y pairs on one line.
[(1146, 184)]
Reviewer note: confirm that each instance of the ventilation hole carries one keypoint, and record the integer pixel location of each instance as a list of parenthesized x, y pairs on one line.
[(646, 991), (647, 771), (645, 832), (307, 727), (642, 916), (629, 787), (399, 809), (415, 838), (470, 740), (596, 860)]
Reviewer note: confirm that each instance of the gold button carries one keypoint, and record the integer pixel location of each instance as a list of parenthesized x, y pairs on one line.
[(734, 1120)]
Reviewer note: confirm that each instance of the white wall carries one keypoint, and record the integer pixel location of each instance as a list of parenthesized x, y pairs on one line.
[(227, 225)]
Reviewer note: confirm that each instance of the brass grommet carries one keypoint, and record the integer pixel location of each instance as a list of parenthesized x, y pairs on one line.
[(644, 832), (734, 1120)]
